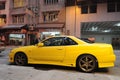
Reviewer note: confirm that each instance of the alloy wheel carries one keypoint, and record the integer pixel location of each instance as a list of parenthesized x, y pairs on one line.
[(87, 63), (20, 59)]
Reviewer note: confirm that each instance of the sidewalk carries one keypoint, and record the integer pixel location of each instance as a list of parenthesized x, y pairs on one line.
[(11, 47)]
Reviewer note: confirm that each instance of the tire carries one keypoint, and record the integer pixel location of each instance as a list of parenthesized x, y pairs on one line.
[(86, 63), (20, 59)]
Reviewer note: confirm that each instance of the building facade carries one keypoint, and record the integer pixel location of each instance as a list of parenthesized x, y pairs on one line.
[(94, 18), (22, 20)]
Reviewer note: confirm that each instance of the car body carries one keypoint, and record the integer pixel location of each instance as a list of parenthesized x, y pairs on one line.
[(65, 51)]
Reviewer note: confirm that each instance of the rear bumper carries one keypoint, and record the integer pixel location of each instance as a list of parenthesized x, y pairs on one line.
[(106, 61)]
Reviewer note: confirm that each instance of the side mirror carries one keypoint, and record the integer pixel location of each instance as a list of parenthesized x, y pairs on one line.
[(40, 44)]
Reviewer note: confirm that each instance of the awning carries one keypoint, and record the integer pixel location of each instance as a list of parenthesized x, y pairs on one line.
[(51, 25), (12, 27)]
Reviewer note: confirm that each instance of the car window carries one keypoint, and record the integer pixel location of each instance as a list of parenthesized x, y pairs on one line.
[(55, 41), (68, 41), (59, 41)]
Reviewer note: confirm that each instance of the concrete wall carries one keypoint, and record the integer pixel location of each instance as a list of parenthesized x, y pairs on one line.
[(73, 20)]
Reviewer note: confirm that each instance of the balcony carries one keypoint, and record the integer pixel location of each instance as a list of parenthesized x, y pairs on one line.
[(53, 6), (18, 11)]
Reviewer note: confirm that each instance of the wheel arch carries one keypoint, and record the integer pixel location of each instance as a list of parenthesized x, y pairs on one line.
[(86, 54), (20, 52)]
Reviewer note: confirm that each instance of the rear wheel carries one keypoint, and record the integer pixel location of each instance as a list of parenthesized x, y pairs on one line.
[(20, 59), (86, 63)]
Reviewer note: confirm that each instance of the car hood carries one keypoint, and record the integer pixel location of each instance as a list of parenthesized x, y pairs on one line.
[(24, 48)]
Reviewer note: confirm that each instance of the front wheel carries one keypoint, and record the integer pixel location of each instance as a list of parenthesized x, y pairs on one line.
[(86, 63), (20, 59)]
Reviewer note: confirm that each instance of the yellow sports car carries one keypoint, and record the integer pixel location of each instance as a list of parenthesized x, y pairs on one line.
[(65, 51)]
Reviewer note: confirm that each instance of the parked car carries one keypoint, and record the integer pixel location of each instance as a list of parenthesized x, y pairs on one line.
[(1, 43), (2, 48), (65, 51)]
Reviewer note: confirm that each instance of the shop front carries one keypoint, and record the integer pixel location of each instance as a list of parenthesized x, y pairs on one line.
[(13, 35), (21, 35), (50, 29), (16, 39)]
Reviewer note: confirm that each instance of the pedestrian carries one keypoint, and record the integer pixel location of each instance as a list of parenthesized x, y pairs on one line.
[(37, 39), (23, 40), (3, 40)]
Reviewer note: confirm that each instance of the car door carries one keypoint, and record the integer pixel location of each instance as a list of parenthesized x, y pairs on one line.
[(72, 49), (51, 51)]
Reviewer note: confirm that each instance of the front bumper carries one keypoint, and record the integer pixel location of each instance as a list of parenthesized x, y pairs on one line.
[(11, 57), (2, 49)]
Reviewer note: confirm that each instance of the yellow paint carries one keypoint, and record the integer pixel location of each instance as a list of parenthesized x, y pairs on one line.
[(67, 55)]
